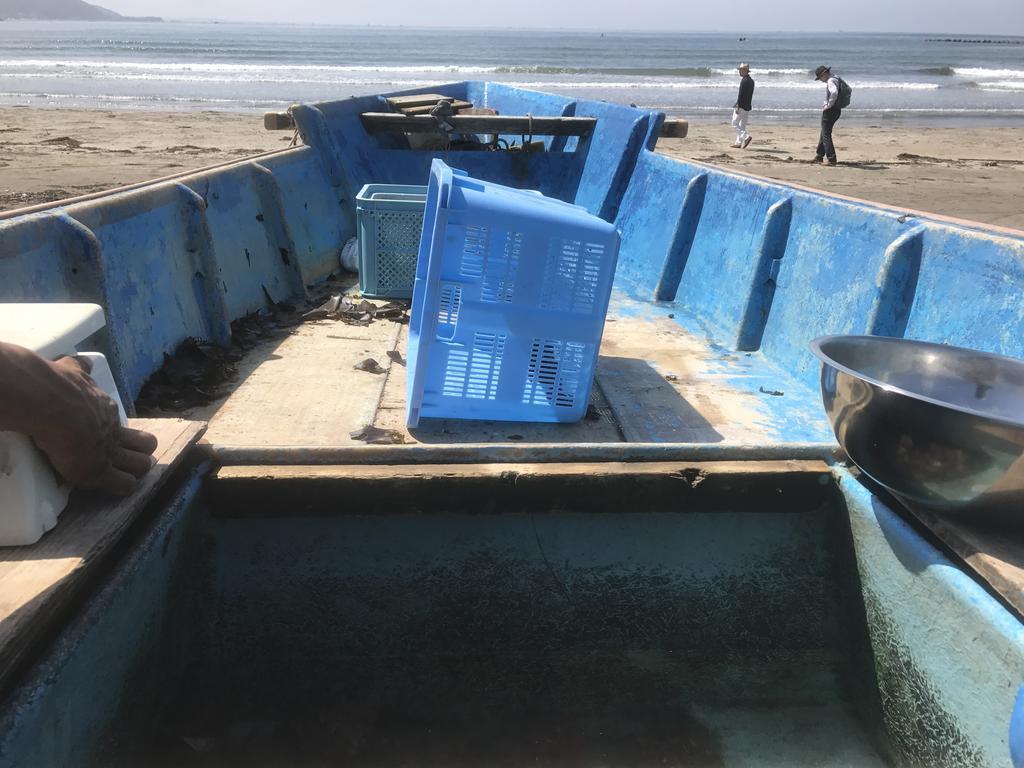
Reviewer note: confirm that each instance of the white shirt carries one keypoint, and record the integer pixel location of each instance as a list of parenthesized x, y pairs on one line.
[(831, 92)]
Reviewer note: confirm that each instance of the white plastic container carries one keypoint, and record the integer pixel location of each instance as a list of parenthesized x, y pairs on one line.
[(31, 498)]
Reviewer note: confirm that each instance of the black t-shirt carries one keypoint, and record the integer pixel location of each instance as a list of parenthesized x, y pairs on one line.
[(746, 93)]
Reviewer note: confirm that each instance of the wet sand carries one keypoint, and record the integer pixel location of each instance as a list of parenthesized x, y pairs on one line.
[(969, 173)]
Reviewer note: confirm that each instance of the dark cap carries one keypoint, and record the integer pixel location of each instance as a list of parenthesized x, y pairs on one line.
[(821, 70)]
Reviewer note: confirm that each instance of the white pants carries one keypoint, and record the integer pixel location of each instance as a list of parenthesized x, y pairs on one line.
[(739, 122)]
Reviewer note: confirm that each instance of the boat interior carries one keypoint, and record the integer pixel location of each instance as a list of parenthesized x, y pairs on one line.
[(690, 575)]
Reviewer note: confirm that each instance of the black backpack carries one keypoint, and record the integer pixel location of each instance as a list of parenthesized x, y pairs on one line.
[(845, 91)]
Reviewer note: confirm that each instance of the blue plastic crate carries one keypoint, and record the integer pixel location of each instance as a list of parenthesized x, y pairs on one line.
[(508, 309), (389, 219)]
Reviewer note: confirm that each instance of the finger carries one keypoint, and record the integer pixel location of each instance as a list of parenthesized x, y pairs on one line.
[(84, 362), (137, 440), (133, 462), (117, 482)]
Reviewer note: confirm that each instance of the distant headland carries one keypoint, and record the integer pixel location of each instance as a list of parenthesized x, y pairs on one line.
[(76, 10)]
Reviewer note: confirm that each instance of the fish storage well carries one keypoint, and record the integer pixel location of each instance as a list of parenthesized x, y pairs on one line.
[(445, 619)]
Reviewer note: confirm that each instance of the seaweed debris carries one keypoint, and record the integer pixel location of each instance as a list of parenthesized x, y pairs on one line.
[(200, 372)]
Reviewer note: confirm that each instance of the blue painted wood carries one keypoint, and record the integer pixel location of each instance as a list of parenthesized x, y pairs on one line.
[(768, 257), (969, 289), (1017, 730), (897, 284), (682, 239), (949, 659), (723, 259), (649, 231), (313, 211), (611, 153), (49, 257), (160, 276), (828, 281), (254, 254)]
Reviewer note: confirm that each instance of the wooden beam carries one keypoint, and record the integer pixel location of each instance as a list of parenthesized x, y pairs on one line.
[(285, 491), (522, 125), (417, 100), (457, 105), (278, 121), (993, 549), (675, 128), (41, 584)]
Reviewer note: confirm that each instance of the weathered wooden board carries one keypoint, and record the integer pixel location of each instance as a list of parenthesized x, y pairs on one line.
[(385, 122), (620, 487), (457, 105), (415, 100), (306, 390), (662, 386), (995, 552), (42, 583), (675, 128)]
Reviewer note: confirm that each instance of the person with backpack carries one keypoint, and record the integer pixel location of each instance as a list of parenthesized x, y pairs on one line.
[(741, 110), (837, 96)]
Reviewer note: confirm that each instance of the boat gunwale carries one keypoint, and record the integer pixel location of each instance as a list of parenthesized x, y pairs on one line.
[(14, 213), (977, 227)]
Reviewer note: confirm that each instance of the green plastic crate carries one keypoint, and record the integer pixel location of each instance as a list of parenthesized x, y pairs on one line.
[(389, 219)]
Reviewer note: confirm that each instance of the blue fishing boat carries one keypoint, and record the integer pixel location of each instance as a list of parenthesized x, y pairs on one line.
[(691, 574)]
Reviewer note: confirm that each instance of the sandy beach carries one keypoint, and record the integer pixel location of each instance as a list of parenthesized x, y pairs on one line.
[(969, 173), (51, 154)]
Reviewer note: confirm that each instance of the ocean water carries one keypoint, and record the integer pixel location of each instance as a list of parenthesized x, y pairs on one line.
[(249, 67)]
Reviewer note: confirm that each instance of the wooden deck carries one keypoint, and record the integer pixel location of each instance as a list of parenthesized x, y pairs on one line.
[(656, 383)]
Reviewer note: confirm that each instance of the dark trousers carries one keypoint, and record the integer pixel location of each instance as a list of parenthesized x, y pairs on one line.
[(825, 146)]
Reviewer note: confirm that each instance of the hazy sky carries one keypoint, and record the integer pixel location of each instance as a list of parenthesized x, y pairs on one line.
[(934, 16)]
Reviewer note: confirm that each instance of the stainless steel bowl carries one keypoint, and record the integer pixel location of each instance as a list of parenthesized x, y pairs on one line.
[(940, 426)]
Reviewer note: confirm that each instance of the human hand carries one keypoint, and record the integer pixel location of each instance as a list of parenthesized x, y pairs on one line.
[(81, 434)]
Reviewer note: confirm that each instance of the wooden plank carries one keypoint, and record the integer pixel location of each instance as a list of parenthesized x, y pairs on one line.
[(995, 552), (415, 100), (306, 390), (510, 453), (457, 105), (281, 491), (402, 472), (278, 121), (664, 385), (388, 122), (40, 584), (471, 110), (675, 128)]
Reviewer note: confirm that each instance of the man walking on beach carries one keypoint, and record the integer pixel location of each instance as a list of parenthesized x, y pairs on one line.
[(741, 111), (830, 112)]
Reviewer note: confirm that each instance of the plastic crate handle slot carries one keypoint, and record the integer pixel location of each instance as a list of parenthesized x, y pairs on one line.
[(449, 304)]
